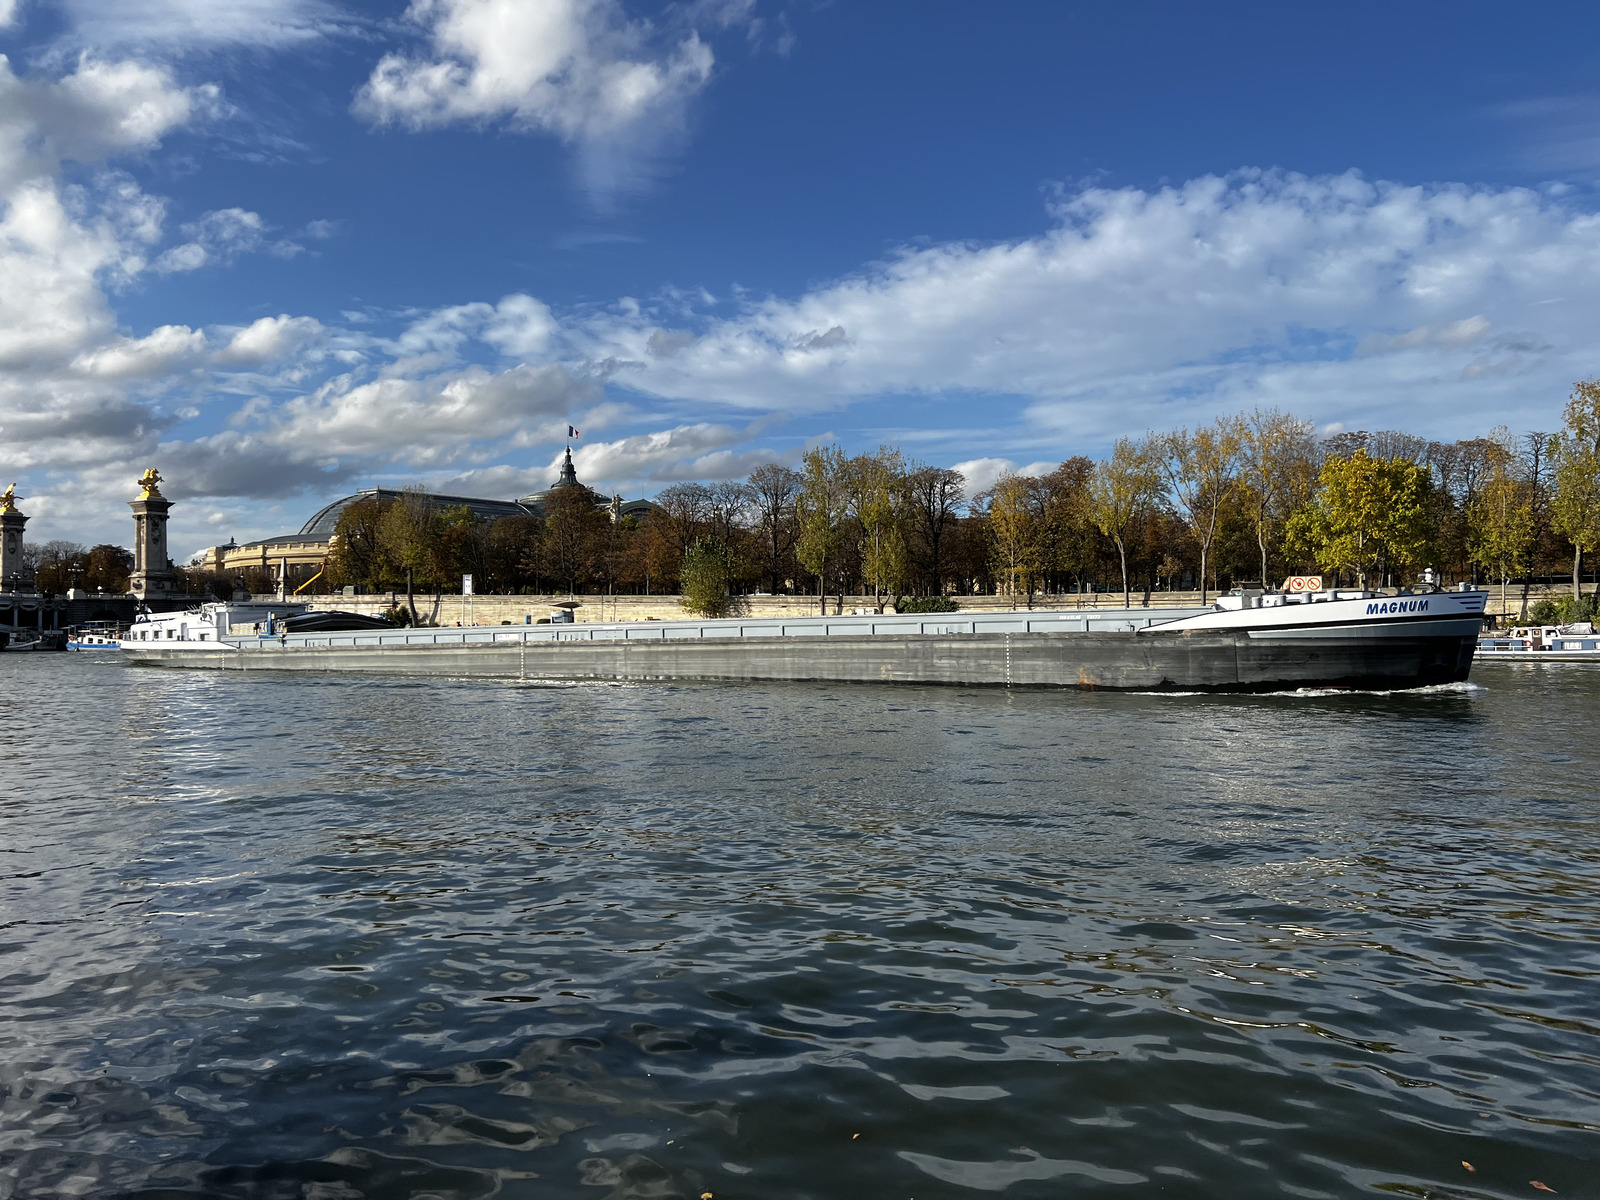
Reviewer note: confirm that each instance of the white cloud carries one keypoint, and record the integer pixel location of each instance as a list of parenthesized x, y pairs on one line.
[(267, 339), (178, 25), (430, 421), (1451, 335), (10, 10), (1440, 310), (1142, 307), (218, 238), (665, 455), (982, 474), (578, 69), (99, 109), (164, 350), (521, 327)]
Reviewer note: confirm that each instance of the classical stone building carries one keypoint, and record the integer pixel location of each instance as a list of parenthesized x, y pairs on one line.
[(298, 556)]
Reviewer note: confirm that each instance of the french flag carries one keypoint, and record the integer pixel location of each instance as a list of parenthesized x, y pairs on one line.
[(572, 432)]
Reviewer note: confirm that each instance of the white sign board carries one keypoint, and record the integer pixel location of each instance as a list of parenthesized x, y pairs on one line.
[(466, 585)]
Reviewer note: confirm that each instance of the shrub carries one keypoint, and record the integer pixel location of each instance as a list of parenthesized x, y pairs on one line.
[(928, 604), (705, 578), (1561, 610)]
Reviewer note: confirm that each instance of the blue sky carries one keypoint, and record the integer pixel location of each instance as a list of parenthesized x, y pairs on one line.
[(285, 248)]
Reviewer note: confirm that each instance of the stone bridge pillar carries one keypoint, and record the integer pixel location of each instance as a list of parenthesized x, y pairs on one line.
[(152, 569), (14, 575)]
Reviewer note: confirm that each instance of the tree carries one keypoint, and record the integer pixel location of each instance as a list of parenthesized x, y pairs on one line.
[(1575, 506), (407, 532), (54, 563), (820, 507), (575, 535), (771, 489), (875, 500), (511, 543), (1501, 523), (1069, 542), (1369, 515), (355, 553), (1202, 470), (1460, 470), (106, 568), (1017, 522), (1278, 470), (1123, 487), (1534, 462), (706, 577), (934, 498)]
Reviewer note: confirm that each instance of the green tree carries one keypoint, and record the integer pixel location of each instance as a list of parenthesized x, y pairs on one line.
[(1018, 526), (1575, 506), (106, 569), (706, 577), (820, 507), (875, 499), (407, 535), (1500, 522), (1369, 515), (576, 529), (355, 551), (1124, 486)]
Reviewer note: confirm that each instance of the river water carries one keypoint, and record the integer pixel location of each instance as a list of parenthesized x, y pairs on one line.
[(325, 938)]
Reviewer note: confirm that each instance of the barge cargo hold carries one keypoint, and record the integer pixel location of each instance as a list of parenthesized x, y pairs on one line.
[(1248, 643)]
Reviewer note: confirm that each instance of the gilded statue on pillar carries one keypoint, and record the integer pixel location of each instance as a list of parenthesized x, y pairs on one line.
[(148, 482), (8, 500)]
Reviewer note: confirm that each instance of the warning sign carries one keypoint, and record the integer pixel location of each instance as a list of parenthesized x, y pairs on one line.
[(1303, 583)]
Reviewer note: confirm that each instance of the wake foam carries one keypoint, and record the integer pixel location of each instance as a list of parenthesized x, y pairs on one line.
[(1464, 688)]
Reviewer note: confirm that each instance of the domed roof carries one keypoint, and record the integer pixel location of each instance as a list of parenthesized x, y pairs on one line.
[(323, 522), (326, 519)]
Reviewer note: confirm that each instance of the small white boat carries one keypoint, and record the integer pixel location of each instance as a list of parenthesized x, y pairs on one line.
[(1542, 643), (95, 635)]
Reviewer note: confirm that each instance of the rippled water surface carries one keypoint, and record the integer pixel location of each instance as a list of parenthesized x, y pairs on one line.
[(330, 938)]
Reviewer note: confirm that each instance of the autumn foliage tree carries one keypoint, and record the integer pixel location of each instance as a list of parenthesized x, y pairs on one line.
[(1575, 506), (1370, 516)]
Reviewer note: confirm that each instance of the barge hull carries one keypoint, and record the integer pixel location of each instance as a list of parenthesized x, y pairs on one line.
[(1405, 656)]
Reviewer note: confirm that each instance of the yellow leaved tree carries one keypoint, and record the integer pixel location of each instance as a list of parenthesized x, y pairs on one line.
[(1370, 516)]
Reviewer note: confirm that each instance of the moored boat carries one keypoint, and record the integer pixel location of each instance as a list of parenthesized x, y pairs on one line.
[(1542, 643), (95, 635)]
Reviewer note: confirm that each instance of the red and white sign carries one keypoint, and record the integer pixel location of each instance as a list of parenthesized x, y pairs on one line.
[(1304, 583)]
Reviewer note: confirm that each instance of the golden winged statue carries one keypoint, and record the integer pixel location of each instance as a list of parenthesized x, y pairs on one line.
[(8, 500), (148, 482)]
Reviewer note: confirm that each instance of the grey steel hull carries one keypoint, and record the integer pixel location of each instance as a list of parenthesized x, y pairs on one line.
[(1414, 654)]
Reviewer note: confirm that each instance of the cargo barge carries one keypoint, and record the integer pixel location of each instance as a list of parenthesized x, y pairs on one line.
[(1248, 642)]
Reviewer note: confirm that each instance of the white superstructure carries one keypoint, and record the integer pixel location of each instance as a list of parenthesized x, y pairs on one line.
[(209, 626), (1323, 613)]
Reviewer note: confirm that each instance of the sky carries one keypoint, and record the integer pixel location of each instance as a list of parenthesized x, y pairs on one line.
[(285, 249)]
